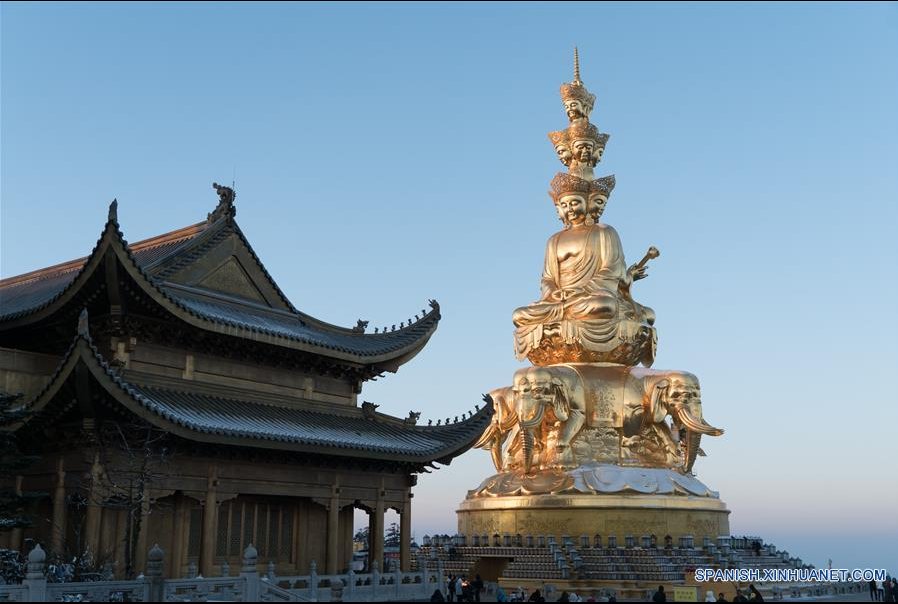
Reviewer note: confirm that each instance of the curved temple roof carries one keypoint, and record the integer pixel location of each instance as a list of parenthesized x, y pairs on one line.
[(207, 418), (151, 263)]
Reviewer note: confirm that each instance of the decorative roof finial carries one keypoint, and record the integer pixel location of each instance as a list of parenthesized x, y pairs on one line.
[(576, 67), (225, 207), (113, 211)]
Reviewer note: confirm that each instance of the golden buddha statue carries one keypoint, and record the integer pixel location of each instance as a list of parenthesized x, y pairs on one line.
[(585, 312), (584, 440)]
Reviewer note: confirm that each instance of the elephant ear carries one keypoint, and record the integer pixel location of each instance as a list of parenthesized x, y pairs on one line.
[(655, 399), (560, 404)]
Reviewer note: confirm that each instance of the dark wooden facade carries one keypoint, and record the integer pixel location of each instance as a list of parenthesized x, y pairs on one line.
[(181, 399)]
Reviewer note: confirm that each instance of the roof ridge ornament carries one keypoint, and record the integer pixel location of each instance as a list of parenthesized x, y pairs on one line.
[(113, 211), (225, 207), (83, 326)]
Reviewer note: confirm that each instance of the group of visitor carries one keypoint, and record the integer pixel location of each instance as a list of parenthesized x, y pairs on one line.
[(753, 595), (521, 595), (459, 589), (884, 591)]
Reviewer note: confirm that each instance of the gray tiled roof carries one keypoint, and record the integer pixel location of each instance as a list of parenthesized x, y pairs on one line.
[(254, 420), (291, 326), (254, 423), (21, 296)]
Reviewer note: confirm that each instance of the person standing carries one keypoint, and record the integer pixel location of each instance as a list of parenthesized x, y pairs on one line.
[(478, 587), (660, 596), (450, 588)]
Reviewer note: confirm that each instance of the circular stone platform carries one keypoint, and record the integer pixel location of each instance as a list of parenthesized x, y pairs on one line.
[(594, 500)]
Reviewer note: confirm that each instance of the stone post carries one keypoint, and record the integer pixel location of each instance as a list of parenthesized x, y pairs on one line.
[(225, 569), (350, 585), (375, 578), (250, 574), (191, 570), (270, 571), (441, 580), (313, 579), (153, 574), (405, 535), (34, 575), (336, 590), (397, 579), (422, 568)]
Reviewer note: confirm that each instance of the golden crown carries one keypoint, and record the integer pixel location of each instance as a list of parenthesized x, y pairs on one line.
[(583, 130), (568, 184), (602, 186)]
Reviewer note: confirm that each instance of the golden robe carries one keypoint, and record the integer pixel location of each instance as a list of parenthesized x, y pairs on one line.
[(583, 298)]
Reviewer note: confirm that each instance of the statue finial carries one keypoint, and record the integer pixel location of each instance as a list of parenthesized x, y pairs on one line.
[(576, 66)]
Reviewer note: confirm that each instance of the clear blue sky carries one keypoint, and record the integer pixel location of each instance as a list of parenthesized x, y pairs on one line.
[(386, 154)]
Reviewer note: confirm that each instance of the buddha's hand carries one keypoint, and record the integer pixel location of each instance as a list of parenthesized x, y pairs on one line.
[(637, 272), (560, 295)]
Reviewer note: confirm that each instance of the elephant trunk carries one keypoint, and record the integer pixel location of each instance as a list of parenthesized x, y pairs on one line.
[(527, 449), (693, 440)]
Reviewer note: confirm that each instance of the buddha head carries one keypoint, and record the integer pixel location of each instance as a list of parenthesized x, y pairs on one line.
[(576, 109), (578, 101), (596, 205), (584, 151), (599, 192), (560, 142), (573, 209), (587, 144), (571, 197)]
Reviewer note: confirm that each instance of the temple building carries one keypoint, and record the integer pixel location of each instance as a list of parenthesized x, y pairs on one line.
[(177, 397)]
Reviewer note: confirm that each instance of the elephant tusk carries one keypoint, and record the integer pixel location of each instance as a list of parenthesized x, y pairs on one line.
[(696, 425)]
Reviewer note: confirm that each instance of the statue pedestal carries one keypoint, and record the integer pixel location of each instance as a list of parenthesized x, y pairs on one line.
[(603, 500)]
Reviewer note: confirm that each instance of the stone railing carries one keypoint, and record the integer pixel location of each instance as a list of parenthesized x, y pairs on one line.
[(362, 587), (248, 586)]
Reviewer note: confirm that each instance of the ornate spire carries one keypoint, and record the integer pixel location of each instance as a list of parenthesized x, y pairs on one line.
[(579, 146)]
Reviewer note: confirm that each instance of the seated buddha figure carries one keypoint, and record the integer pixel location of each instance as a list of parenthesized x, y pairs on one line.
[(585, 312)]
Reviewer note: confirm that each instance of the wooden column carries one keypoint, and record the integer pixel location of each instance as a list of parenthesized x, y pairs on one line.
[(15, 537), (140, 556), (180, 536), (405, 535), (210, 517), (94, 510), (57, 528), (333, 532)]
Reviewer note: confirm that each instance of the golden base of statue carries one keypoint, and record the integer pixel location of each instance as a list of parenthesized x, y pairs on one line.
[(525, 519), (630, 343)]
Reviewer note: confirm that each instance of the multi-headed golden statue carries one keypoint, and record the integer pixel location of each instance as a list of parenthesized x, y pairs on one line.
[(585, 422)]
